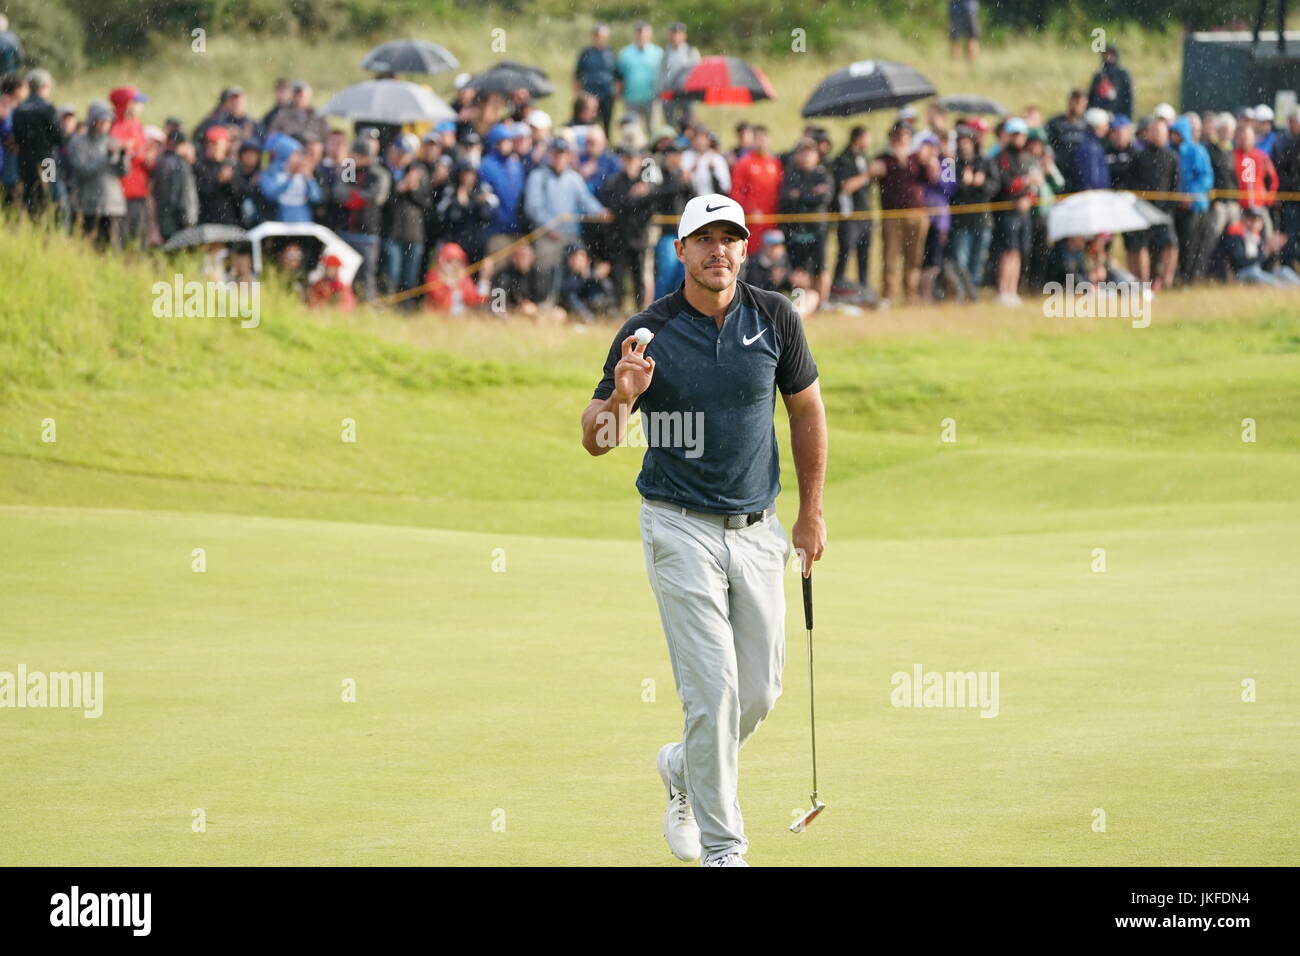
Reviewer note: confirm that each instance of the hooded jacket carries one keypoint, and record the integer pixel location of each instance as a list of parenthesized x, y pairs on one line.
[(505, 174), (1195, 173), (293, 193), (97, 170), (135, 184)]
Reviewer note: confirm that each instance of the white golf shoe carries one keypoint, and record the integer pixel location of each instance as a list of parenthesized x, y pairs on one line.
[(680, 828), (727, 859)]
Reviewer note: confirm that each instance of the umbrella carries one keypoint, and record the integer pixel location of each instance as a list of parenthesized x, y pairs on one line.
[(389, 101), (508, 76), (867, 85), (409, 56), (329, 240), (203, 234), (1101, 210), (973, 105), (719, 79)]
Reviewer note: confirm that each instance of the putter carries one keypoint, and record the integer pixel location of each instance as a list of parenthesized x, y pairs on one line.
[(815, 805)]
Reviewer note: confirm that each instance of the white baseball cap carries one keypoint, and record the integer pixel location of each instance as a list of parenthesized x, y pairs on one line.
[(539, 119), (1264, 112), (710, 208), (1165, 112)]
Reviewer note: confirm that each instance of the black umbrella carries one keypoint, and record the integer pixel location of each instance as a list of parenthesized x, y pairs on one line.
[(203, 234), (508, 76), (971, 104), (409, 56), (867, 85)]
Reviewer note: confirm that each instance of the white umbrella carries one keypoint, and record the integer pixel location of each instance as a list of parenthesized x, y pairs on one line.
[(330, 242), (1101, 210), (389, 101)]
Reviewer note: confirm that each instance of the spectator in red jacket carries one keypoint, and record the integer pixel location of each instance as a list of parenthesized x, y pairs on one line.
[(127, 106), (329, 289), (756, 183), (451, 288), (1256, 176)]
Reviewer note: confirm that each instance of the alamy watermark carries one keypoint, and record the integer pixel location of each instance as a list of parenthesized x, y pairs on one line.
[(1098, 300), (921, 688), (74, 689), (208, 300), (654, 430)]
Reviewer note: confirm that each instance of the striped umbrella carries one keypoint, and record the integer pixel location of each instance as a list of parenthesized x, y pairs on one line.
[(719, 79)]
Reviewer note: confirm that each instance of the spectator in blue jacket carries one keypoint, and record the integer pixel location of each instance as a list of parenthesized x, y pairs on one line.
[(288, 181), (504, 172), (1090, 164), (1192, 217), (552, 190)]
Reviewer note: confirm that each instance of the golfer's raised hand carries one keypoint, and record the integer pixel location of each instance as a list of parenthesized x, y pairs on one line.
[(634, 370)]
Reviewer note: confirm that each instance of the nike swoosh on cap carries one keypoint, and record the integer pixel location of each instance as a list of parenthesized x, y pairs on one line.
[(715, 208)]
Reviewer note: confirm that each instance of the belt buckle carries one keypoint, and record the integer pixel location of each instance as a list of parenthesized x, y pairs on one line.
[(735, 522)]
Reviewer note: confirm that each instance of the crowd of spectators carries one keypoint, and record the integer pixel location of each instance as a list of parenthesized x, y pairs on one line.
[(440, 215)]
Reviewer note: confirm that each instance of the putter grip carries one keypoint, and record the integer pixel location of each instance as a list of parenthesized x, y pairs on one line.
[(807, 602)]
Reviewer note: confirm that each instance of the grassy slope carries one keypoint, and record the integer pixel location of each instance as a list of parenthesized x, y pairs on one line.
[(480, 690)]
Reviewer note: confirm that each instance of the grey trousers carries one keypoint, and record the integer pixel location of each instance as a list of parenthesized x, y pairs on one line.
[(721, 596)]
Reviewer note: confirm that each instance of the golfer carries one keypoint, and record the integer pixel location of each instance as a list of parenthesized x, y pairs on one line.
[(715, 551)]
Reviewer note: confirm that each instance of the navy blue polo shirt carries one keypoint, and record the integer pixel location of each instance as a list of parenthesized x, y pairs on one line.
[(708, 413)]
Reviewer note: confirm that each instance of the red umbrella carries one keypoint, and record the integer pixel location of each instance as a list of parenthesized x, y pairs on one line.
[(719, 79)]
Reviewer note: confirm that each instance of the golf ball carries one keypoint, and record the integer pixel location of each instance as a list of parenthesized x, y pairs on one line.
[(644, 335)]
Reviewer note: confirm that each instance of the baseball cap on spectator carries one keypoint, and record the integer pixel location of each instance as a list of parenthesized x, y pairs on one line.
[(461, 80), (446, 126), (1120, 121), (298, 86), (710, 208), (1096, 116), (432, 136), (153, 132), (1016, 125), (561, 145), (332, 260), (408, 142), (1165, 112), (906, 114), (539, 119), (498, 132), (67, 109), (966, 131), (250, 145), (1264, 113), (773, 237), (452, 252), (230, 92), (216, 132), (978, 124)]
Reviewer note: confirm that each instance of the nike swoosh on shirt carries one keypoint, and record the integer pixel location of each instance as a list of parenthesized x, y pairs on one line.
[(750, 341)]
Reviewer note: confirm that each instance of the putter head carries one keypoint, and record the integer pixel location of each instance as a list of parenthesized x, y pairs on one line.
[(802, 823)]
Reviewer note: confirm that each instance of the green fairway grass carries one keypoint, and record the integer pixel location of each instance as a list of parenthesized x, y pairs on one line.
[(480, 579)]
